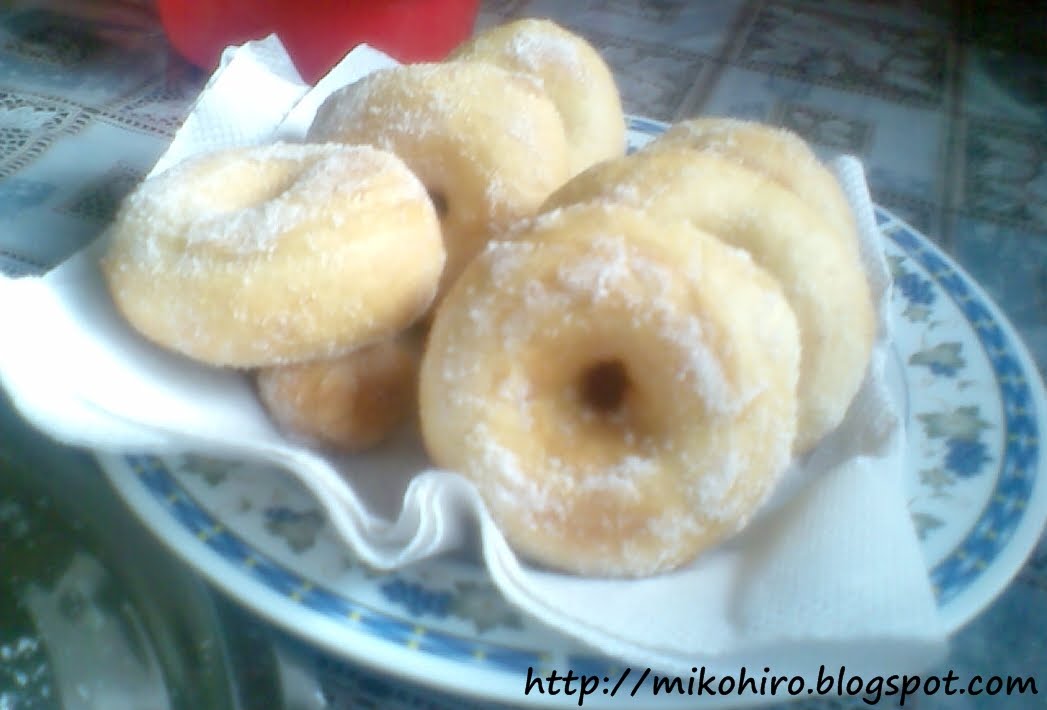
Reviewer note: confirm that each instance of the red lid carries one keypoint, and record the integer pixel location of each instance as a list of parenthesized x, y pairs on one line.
[(319, 33)]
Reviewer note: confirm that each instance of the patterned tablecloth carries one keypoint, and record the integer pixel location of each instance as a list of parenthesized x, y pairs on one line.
[(946, 106)]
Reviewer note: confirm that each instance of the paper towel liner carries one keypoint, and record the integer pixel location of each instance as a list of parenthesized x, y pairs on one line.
[(830, 572)]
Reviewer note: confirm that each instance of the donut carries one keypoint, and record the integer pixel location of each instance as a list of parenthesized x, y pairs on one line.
[(349, 403), (488, 144), (621, 390), (776, 152), (571, 72), (259, 256), (822, 279)]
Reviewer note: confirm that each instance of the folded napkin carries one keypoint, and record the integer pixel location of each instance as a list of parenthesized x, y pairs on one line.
[(830, 572)]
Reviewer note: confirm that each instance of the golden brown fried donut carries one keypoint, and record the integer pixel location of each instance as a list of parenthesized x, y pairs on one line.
[(621, 390), (822, 278), (259, 256), (571, 72), (488, 144), (776, 152), (351, 402)]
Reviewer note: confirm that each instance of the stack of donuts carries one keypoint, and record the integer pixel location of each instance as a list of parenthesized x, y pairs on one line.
[(623, 353)]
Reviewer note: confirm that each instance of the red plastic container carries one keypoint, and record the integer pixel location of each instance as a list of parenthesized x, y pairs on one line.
[(318, 33)]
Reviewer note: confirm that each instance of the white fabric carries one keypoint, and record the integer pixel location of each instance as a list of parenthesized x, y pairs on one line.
[(830, 572)]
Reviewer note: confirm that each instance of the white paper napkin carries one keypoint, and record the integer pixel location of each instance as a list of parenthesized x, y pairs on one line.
[(830, 573)]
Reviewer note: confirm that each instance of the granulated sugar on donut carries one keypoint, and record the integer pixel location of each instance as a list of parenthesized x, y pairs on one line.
[(488, 144), (253, 257), (778, 153), (622, 390), (818, 268), (571, 72)]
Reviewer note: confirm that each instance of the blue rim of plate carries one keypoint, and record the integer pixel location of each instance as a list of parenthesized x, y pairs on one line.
[(987, 538), (1017, 472)]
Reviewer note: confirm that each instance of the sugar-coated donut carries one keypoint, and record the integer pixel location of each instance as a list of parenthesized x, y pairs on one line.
[(571, 72), (349, 403), (776, 152), (821, 276), (260, 256), (621, 390), (488, 144)]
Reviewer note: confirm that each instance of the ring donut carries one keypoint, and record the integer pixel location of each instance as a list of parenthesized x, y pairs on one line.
[(488, 145), (350, 403), (622, 391), (260, 256), (776, 152), (571, 72), (822, 278)]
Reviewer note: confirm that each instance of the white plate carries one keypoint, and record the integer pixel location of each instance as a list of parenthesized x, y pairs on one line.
[(975, 413)]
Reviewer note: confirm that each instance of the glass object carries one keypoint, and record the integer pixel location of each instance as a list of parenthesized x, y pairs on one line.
[(94, 613)]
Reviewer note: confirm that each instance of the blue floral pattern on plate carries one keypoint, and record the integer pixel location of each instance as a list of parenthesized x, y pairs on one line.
[(981, 434), (975, 483)]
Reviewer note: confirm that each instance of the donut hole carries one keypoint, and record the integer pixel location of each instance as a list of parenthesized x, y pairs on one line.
[(225, 197), (439, 201), (604, 385)]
